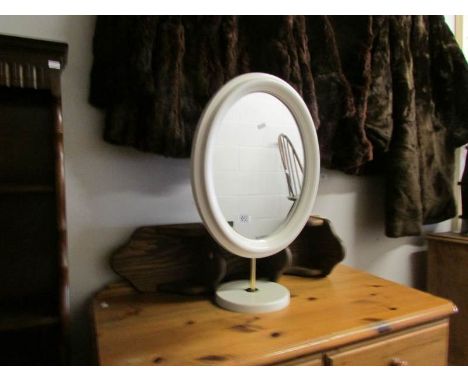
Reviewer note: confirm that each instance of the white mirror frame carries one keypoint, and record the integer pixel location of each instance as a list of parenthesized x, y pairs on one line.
[(202, 167)]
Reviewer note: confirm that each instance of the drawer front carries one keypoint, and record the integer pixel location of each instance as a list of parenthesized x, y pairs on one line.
[(422, 346), (311, 360)]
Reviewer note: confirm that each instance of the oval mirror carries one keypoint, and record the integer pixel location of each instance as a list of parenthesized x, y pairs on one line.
[(255, 170)]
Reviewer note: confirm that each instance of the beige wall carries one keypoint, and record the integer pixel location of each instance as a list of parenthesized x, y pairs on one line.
[(112, 190)]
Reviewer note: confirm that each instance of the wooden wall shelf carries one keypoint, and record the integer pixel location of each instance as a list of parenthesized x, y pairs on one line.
[(21, 319), (23, 189), (447, 277), (34, 301)]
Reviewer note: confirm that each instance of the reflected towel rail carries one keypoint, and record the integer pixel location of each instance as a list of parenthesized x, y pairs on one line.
[(292, 166)]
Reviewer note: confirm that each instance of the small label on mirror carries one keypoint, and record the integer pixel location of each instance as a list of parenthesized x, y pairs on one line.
[(244, 218)]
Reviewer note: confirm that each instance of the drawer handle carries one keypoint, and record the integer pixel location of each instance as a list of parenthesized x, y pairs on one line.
[(398, 362)]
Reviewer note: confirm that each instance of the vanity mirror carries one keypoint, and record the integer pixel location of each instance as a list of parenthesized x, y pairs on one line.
[(255, 173)]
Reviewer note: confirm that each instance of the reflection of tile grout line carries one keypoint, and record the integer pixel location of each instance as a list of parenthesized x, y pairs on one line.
[(255, 196), (273, 213), (278, 214), (252, 206), (229, 123), (273, 147), (229, 171), (257, 219), (223, 192), (260, 219)]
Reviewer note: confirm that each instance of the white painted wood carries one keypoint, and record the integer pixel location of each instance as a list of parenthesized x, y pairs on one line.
[(269, 297)]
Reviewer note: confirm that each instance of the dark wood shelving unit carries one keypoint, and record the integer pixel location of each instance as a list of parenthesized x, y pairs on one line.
[(22, 189), (447, 264), (34, 292), (21, 319)]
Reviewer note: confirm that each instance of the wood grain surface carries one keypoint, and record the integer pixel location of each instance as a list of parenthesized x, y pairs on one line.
[(34, 296), (426, 346), (184, 259), (348, 306), (447, 277)]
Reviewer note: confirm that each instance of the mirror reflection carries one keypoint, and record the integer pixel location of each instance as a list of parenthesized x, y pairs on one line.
[(257, 164)]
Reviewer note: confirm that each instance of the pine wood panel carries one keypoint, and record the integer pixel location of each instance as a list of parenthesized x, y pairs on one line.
[(447, 270), (345, 307), (417, 347), (312, 360)]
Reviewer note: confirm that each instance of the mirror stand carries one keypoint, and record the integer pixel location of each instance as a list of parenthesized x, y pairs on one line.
[(254, 123), (253, 274), (252, 296)]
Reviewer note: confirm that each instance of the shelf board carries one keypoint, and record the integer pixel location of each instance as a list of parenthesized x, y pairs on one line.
[(453, 237), (16, 316), (26, 188), (16, 320)]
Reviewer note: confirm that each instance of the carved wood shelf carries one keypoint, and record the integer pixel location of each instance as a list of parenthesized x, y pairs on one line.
[(183, 258)]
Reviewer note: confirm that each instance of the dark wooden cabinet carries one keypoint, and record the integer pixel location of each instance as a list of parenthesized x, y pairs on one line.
[(447, 277), (34, 302)]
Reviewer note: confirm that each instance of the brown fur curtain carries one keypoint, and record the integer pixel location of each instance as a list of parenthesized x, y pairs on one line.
[(386, 92)]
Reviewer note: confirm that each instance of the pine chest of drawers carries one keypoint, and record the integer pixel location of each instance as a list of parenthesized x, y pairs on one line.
[(347, 318)]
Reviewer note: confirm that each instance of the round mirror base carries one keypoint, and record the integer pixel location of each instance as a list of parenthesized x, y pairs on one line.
[(268, 297)]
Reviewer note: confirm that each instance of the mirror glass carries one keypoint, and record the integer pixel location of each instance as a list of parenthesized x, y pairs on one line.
[(257, 164)]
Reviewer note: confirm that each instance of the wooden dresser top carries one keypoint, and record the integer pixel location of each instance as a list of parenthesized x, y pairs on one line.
[(164, 329)]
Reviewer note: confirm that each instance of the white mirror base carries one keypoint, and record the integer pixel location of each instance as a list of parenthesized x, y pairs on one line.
[(268, 297)]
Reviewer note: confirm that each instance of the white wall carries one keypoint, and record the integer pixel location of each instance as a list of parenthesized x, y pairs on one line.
[(112, 190), (465, 35)]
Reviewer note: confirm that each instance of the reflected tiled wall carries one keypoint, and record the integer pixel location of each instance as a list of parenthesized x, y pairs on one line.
[(249, 178)]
